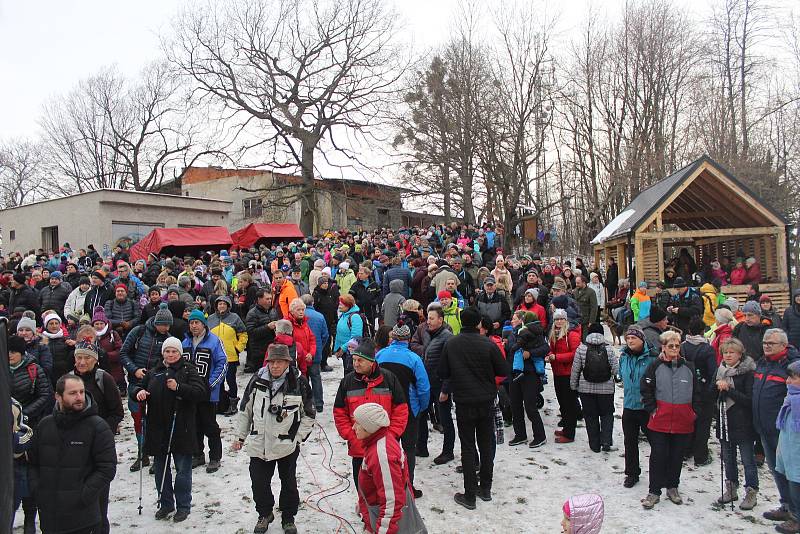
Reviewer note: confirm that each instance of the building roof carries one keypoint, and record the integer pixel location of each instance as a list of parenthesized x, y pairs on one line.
[(654, 197), (125, 193)]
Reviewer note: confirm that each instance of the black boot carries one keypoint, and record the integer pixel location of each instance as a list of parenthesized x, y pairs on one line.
[(30, 522)]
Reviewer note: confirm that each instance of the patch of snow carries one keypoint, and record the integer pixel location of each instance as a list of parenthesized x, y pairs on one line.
[(612, 227)]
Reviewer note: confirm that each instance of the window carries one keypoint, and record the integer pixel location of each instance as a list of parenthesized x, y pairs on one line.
[(12, 235), (50, 238), (252, 207)]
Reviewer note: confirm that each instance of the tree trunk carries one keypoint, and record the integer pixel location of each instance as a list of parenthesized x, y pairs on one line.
[(448, 201), (308, 202)]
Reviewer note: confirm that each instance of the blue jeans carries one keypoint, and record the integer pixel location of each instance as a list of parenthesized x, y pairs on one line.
[(180, 495), (748, 462), (770, 441), (315, 377)]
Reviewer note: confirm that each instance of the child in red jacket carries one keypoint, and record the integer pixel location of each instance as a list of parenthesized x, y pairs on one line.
[(283, 336)]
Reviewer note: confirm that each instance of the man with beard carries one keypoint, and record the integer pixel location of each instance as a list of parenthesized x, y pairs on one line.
[(71, 478)]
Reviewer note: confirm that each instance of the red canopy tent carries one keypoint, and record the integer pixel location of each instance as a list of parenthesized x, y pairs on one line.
[(253, 233), (181, 240)]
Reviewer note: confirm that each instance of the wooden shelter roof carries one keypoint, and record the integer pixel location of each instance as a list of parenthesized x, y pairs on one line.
[(701, 196)]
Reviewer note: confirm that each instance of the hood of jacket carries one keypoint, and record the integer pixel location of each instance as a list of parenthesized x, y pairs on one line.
[(396, 286), (596, 339), (585, 513), (65, 419), (708, 289)]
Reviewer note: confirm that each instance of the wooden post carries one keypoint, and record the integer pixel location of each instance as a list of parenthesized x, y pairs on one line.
[(622, 261), (660, 245), (780, 242), (638, 256)]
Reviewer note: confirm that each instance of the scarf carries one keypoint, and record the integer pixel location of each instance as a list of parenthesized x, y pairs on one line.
[(696, 340), (57, 335), (789, 415), (101, 333), (745, 365)]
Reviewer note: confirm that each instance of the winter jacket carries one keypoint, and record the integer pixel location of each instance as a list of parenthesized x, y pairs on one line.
[(319, 327), (564, 350), (468, 366), (751, 337), (210, 360), (303, 336), (769, 389), (669, 390), (110, 344), (721, 333), (327, 303), (495, 306), (407, 366), (578, 383), (382, 482), (739, 417), (442, 276), (345, 280), (141, 349), (452, 316), (74, 302), (380, 387), (149, 310), (709, 297), (97, 296), (40, 352), (396, 273), (295, 350), (600, 292), (529, 337), (391, 306), (32, 389), (163, 404), (632, 368), (119, 312), (586, 513), (538, 309), (640, 305), (367, 295), (689, 306), (267, 438), (24, 297), (105, 395), (350, 325), (700, 353), (429, 345), (284, 297), (63, 357), (231, 331), (791, 321), (72, 460), (259, 335), (652, 333)]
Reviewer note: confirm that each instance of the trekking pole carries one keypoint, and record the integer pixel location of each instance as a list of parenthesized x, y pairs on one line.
[(166, 460), (142, 406)]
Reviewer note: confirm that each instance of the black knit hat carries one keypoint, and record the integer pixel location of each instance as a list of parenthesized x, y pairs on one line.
[(16, 344), (470, 318), (657, 314), (365, 349)]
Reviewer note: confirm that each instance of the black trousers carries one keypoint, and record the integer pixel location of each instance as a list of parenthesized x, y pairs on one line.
[(254, 361), (598, 415), (698, 447), (568, 403), (632, 422), (666, 459), (524, 397), (408, 440), (207, 426), (103, 527), (261, 472), (356, 469), (476, 424)]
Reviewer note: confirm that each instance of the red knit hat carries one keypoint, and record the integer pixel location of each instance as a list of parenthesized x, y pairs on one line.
[(444, 294), (123, 286)]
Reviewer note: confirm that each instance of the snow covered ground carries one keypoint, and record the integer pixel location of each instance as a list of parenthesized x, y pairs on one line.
[(530, 487)]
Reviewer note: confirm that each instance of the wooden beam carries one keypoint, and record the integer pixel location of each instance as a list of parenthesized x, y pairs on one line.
[(722, 232), (753, 203), (638, 255), (660, 245), (622, 261), (687, 216), (667, 201), (780, 242)]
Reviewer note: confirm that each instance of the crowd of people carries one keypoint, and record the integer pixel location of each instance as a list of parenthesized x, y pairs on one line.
[(436, 329)]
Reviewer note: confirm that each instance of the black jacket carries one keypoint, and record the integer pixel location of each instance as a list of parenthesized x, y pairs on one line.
[(163, 403), (751, 337), (739, 417), (54, 298), (32, 389), (704, 358), (25, 297), (259, 335), (468, 365), (179, 325), (495, 306), (149, 310), (791, 321), (97, 296), (689, 305), (73, 459), (429, 345), (367, 297), (106, 397), (63, 357), (327, 303)]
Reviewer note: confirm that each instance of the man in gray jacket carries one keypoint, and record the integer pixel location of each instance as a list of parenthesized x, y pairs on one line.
[(277, 414), (390, 309)]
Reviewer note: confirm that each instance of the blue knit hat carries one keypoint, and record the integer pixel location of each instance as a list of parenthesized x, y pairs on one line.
[(197, 315)]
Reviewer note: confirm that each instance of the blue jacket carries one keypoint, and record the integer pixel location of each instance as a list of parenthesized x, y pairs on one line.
[(769, 390), (318, 326), (398, 354), (210, 360), (345, 332), (632, 369)]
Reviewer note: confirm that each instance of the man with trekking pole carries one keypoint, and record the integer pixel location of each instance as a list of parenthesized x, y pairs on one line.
[(172, 390)]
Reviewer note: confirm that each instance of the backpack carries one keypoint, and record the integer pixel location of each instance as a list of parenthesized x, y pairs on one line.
[(365, 331), (596, 367)]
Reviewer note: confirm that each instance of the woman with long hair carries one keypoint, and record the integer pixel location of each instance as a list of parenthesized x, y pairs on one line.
[(563, 343)]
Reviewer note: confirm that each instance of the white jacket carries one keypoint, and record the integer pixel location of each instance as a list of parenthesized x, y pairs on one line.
[(266, 437), (74, 304)]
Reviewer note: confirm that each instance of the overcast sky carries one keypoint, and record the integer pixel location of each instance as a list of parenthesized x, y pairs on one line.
[(46, 46)]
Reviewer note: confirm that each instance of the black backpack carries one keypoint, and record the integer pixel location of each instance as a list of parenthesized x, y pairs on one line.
[(596, 367)]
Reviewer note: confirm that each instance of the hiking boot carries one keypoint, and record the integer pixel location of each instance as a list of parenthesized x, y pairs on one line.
[(439, 428), (180, 515), (779, 514), (789, 527), (198, 460), (630, 481), (485, 494), (536, 444), (422, 453), (163, 513), (730, 494), (144, 461), (563, 439), (674, 496), (703, 463), (609, 448), (558, 432), (326, 368), (30, 523), (213, 466), (650, 501), (460, 469), (152, 469), (417, 493), (263, 523), (750, 499), (760, 459), (465, 501), (289, 527), (444, 458), (517, 441)]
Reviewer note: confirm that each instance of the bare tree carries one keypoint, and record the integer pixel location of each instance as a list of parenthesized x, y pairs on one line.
[(22, 173), (304, 72)]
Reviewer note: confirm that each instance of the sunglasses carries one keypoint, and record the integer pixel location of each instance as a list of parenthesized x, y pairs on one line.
[(673, 346)]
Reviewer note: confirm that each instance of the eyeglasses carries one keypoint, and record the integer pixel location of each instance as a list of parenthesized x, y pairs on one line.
[(673, 346), (770, 343)]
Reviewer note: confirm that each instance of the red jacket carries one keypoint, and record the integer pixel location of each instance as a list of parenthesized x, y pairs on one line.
[(564, 350), (382, 482), (497, 340), (722, 333), (304, 337), (381, 387), (538, 309), (738, 276), (295, 350), (753, 274)]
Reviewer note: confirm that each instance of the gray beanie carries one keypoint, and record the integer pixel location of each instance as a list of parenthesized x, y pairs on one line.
[(163, 315), (26, 322), (752, 306)]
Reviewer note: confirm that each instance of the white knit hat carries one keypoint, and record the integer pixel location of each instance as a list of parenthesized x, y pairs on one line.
[(173, 342), (50, 317), (371, 417)]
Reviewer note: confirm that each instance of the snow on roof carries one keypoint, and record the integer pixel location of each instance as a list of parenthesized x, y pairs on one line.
[(612, 227)]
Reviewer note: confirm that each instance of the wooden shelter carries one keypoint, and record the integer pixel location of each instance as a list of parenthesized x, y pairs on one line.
[(705, 209)]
